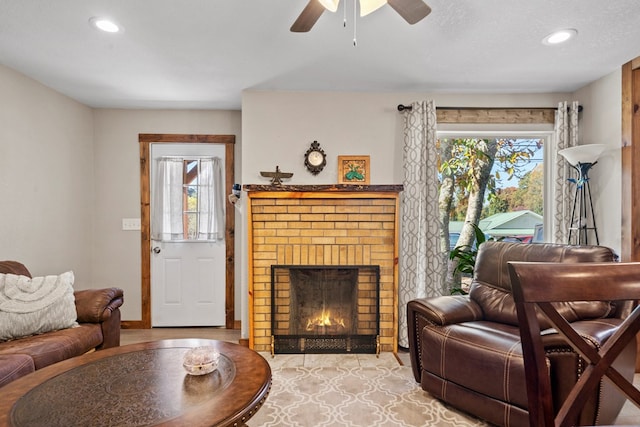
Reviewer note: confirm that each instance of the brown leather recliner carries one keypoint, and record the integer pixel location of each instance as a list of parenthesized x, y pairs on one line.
[(466, 349)]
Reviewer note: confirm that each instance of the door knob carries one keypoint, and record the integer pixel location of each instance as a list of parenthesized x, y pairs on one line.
[(157, 250)]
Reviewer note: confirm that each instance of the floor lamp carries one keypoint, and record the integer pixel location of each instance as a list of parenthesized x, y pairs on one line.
[(582, 158)]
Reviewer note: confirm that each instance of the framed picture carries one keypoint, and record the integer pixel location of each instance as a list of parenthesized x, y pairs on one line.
[(353, 170)]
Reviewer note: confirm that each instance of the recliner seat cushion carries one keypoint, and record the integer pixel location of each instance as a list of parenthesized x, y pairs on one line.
[(482, 356)]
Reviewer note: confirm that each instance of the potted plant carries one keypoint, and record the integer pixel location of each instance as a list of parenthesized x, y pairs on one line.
[(464, 258)]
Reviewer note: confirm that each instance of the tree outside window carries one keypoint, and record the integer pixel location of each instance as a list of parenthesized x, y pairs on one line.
[(496, 178)]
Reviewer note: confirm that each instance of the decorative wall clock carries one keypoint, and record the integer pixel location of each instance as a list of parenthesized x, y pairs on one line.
[(315, 159)]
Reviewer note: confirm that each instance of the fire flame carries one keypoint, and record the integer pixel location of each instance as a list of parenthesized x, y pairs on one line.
[(324, 319)]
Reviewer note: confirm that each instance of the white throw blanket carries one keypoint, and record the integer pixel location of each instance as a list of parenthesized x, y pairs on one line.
[(35, 306)]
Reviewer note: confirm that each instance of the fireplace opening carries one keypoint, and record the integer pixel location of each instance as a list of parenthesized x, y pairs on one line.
[(325, 309)]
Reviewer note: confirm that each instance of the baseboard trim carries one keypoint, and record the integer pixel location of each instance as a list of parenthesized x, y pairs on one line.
[(139, 324), (132, 324)]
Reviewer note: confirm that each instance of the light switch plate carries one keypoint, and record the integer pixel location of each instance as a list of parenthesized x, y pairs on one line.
[(131, 223)]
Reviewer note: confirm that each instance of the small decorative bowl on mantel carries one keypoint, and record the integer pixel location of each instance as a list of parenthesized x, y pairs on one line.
[(201, 360)]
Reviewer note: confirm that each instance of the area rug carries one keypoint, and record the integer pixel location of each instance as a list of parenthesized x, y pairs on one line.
[(353, 396)]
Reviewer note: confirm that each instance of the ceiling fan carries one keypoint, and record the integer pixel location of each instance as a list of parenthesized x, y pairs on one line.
[(411, 10)]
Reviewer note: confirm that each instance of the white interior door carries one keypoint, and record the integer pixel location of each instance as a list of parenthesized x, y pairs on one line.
[(187, 288), (187, 277)]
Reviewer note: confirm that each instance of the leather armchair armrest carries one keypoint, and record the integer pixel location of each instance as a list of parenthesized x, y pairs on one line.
[(97, 305), (444, 310), (447, 310)]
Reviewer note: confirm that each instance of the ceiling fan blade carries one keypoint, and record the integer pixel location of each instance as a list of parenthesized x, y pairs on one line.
[(308, 17), (411, 10)]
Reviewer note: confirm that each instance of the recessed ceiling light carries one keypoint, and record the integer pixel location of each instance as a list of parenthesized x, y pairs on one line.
[(560, 36), (105, 24)]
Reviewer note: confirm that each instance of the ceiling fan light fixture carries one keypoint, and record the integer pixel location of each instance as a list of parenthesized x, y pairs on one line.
[(105, 24), (412, 11), (330, 5), (560, 36), (368, 6)]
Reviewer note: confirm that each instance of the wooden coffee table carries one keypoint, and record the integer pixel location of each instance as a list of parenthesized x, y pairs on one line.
[(140, 385)]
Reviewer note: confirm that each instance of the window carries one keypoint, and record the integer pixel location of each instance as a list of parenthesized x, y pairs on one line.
[(188, 199), (497, 181)]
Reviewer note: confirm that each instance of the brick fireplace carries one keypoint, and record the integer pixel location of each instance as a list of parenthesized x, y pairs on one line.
[(332, 225)]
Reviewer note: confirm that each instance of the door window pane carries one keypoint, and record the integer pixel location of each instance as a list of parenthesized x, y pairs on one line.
[(193, 188)]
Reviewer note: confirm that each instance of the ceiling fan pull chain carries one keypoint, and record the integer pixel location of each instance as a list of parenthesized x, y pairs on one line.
[(344, 22), (355, 17)]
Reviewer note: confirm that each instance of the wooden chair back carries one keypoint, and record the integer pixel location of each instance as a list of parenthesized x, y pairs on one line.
[(535, 287)]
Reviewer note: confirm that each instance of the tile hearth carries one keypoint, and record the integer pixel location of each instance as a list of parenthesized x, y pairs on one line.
[(332, 360)]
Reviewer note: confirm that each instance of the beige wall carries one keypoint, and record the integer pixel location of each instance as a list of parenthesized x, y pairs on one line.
[(278, 127), (117, 182), (601, 124), (69, 174), (46, 179)]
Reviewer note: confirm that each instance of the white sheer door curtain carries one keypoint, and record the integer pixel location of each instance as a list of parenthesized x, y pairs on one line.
[(169, 206)]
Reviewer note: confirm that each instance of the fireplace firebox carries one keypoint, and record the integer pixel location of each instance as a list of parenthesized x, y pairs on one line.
[(325, 309)]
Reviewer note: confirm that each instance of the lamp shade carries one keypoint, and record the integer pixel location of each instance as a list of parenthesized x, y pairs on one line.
[(588, 153)]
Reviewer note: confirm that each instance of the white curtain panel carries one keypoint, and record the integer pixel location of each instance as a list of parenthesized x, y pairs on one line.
[(422, 262), (210, 200), (166, 223), (566, 136)]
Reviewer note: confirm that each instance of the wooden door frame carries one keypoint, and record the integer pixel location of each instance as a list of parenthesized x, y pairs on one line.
[(630, 166), (145, 141), (630, 156)]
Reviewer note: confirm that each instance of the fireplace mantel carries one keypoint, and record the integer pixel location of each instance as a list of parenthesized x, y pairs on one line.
[(328, 225), (348, 188)]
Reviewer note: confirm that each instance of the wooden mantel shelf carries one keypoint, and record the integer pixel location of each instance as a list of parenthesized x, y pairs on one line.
[(347, 188)]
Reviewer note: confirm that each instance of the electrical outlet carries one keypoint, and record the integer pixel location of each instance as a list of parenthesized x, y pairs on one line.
[(131, 223)]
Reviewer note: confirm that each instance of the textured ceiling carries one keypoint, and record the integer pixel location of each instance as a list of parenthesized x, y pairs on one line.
[(203, 53)]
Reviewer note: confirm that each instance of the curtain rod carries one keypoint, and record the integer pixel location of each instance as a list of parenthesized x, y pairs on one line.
[(401, 108)]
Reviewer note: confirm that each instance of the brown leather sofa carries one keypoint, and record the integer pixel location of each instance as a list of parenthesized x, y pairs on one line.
[(99, 328), (466, 350)]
